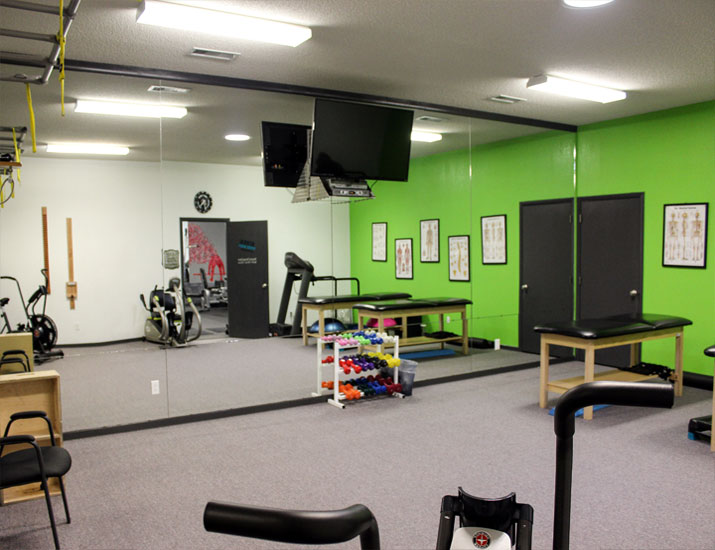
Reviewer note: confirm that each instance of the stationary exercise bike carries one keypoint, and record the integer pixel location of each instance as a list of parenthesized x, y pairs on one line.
[(41, 325), (497, 524), (169, 323)]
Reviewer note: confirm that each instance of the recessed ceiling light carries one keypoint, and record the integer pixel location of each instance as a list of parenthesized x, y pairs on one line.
[(585, 3), (572, 88), (87, 148), (427, 137), (237, 137), (220, 23), (428, 118), (153, 110)]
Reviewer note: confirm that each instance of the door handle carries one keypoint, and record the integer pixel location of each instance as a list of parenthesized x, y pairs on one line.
[(524, 287), (633, 292), (264, 285)]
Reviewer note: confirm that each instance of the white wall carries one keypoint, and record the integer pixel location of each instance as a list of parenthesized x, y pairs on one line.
[(123, 214)]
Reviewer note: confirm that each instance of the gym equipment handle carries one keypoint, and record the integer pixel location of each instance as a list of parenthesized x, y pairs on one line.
[(585, 395), (294, 526)]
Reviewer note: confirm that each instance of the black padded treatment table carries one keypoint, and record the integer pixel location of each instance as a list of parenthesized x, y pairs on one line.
[(593, 334), (321, 304), (401, 309)]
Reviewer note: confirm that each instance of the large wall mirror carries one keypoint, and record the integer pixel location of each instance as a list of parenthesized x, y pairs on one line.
[(141, 221)]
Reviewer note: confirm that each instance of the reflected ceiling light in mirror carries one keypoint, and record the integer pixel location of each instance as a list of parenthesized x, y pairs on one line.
[(572, 88), (428, 137), (87, 148), (152, 110), (220, 23), (585, 3), (237, 137)]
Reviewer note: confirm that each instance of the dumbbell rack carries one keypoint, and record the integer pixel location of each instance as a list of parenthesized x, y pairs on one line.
[(336, 400)]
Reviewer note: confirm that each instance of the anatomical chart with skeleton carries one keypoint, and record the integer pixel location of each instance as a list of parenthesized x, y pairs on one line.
[(684, 232)]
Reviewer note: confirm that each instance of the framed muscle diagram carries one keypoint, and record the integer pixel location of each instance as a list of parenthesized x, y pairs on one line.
[(685, 230), (403, 258), (429, 241), (459, 258), (494, 239), (379, 242)]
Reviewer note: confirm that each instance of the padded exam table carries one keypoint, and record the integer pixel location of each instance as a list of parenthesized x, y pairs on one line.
[(593, 334), (321, 304), (401, 309)]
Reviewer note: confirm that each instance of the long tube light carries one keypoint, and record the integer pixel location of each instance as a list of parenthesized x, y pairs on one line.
[(586, 3), (87, 149), (428, 137), (153, 110), (572, 88), (221, 23)]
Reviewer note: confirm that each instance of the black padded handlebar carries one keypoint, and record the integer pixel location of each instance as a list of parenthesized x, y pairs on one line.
[(585, 395), (294, 526)]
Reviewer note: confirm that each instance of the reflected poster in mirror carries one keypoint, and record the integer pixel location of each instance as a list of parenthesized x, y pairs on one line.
[(429, 241), (379, 242), (459, 258), (403, 258), (494, 239)]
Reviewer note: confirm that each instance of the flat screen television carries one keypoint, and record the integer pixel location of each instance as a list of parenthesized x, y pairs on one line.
[(285, 152), (354, 141)]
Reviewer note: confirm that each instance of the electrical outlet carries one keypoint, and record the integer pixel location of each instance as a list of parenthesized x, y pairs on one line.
[(76, 326), (155, 387), (497, 343), (448, 319)]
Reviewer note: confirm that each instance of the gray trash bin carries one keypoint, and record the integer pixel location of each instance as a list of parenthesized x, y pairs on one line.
[(408, 369)]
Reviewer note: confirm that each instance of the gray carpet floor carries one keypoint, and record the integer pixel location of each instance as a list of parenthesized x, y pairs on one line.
[(639, 483)]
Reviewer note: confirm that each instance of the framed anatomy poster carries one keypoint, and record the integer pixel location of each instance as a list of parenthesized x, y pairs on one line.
[(494, 239), (685, 230), (459, 258), (429, 241), (379, 242), (403, 258)]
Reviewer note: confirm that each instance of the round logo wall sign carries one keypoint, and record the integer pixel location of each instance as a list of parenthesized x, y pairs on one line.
[(202, 202)]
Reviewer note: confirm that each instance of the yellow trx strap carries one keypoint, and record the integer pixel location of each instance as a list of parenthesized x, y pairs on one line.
[(32, 118), (61, 40), (17, 156)]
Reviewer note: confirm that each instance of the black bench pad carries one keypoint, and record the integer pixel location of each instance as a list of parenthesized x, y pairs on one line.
[(618, 325), (373, 296), (710, 352), (412, 303)]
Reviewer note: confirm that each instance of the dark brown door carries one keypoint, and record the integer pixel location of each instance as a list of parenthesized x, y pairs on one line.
[(545, 269)]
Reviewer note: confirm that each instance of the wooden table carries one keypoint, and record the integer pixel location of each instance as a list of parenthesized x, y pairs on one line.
[(30, 391), (590, 345)]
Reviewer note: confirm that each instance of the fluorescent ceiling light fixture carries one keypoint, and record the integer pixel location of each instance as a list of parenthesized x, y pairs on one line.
[(585, 3), (87, 148), (220, 23), (154, 110), (571, 88), (237, 137), (427, 137)]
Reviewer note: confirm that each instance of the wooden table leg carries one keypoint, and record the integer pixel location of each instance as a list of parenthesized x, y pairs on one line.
[(679, 364), (321, 322), (635, 359), (543, 373), (305, 326), (588, 377), (441, 328), (360, 320)]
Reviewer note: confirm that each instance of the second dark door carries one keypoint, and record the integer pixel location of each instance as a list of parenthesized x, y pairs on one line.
[(610, 262)]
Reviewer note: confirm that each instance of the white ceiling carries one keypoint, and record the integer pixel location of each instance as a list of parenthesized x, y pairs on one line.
[(449, 52)]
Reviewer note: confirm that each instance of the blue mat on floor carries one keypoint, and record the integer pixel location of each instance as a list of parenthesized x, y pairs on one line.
[(427, 354), (579, 412)]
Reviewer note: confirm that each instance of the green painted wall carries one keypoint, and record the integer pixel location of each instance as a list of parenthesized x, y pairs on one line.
[(669, 155)]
